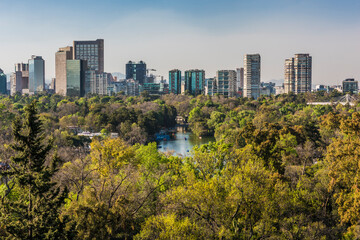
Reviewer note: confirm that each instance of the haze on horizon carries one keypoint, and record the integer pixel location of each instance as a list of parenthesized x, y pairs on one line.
[(204, 34)]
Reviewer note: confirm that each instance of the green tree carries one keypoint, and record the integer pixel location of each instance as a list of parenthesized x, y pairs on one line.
[(34, 212)]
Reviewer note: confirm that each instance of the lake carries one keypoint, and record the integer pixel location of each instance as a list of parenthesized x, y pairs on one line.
[(183, 143)]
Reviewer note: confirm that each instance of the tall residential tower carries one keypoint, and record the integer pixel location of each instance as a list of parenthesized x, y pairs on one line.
[(175, 81), (298, 74), (226, 82), (195, 81), (252, 76)]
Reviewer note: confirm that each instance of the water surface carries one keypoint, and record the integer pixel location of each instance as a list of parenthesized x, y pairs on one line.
[(184, 142)]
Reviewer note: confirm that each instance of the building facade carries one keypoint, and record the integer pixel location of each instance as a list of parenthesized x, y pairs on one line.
[(252, 76), (267, 88), (195, 81), (239, 79), (128, 87), (289, 81), (53, 85), (75, 77), (97, 82), (224, 83), (136, 71), (19, 80), (61, 57), (321, 87), (3, 88), (350, 86), (36, 74), (279, 90), (175, 81), (303, 73), (92, 52), (210, 86), (298, 74)]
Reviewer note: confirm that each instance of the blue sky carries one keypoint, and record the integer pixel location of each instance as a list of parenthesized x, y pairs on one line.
[(206, 34)]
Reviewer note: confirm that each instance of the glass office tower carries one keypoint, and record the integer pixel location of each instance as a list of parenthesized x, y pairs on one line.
[(75, 77), (36, 74)]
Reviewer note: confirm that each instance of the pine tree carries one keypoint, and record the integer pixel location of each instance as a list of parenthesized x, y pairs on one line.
[(34, 211)]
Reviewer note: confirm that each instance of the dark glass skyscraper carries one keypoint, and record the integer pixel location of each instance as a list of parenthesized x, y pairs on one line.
[(175, 81), (3, 89), (92, 52), (195, 81), (136, 71)]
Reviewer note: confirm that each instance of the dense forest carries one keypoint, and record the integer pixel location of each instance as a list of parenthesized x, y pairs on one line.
[(279, 169)]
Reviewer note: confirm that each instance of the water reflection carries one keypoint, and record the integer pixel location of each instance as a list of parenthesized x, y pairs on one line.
[(184, 142)]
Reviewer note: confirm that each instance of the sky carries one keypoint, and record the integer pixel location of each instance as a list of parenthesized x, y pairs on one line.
[(184, 34)]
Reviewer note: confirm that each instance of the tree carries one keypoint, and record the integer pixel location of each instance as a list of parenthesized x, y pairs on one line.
[(34, 212)]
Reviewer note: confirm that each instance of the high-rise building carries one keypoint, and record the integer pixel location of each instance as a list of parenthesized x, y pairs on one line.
[(3, 89), (210, 86), (289, 81), (19, 80), (239, 79), (298, 74), (16, 83), (195, 81), (92, 52), (136, 71), (36, 74), (226, 82), (61, 57), (75, 77), (22, 67), (97, 82), (350, 85), (175, 81), (302, 67), (252, 76)]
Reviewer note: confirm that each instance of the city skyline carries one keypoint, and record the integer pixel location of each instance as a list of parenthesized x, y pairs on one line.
[(205, 34)]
